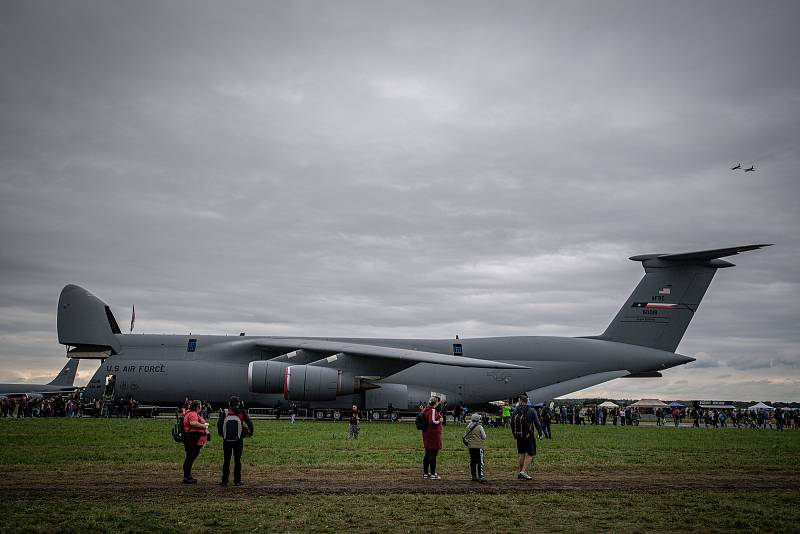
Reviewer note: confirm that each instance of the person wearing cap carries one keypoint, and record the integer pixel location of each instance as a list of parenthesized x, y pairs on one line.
[(526, 444), (231, 427), (474, 436)]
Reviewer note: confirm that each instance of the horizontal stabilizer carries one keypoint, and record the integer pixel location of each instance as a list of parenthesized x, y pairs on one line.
[(700, 255), (375, 351)]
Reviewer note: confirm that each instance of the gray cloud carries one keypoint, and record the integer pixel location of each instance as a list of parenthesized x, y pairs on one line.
[(400, 170)]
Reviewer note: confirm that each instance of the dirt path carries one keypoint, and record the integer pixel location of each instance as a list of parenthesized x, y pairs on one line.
[(31, 481)]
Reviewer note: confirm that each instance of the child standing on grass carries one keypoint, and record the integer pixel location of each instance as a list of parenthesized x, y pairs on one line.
[(474, 436)]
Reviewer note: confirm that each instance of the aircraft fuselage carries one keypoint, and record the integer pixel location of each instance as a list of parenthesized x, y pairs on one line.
[(164, 369)]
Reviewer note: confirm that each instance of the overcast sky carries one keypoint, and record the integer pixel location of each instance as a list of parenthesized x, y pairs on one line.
[(404, 169)]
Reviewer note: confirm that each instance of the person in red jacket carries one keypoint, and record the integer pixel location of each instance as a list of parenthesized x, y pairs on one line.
[(196, 431), (431, 439)]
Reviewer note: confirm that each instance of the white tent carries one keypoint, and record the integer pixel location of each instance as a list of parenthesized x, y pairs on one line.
[(608, 404), (760, 406), (649, 403)]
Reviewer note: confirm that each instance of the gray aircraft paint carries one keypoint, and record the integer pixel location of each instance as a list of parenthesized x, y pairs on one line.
[(163, 369), (62, 382)]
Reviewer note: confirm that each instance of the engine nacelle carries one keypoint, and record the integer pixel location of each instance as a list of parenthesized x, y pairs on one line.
[(303, 382), (310, 383), (266, 376)]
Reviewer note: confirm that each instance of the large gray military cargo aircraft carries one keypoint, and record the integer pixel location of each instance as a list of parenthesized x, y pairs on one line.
[(372, 373)]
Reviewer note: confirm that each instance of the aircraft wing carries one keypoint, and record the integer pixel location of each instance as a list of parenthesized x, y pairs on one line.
[(41, 393), (409, 356)]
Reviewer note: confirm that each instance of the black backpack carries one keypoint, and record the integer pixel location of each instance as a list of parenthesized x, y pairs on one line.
[(520, 425), (422, 421), (178, 433), (232, 428)]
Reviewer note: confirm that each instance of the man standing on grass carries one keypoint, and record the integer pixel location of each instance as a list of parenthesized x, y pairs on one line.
[(231, 427), (522, 423)]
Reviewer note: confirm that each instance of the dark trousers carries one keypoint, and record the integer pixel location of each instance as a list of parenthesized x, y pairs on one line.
[(476, 462), (192, 452), (429, 462), (235, 447)]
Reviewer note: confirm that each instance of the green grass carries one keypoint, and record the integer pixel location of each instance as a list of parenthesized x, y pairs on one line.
[(773, 511), (107, 448), (324, 444)]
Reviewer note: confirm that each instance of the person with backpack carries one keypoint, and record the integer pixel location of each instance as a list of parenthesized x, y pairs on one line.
[(431, 419), (231, 427), (195, 433), (474, 436), (523, 421)]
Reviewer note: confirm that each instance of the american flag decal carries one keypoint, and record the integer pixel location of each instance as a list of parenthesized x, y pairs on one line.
[(666, 290)]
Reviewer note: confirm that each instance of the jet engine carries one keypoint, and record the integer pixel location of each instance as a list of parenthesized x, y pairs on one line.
[(303, 382), (266, 376), (309, 383)]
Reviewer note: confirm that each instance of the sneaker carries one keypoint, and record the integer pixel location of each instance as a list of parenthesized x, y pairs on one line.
[(435, 476), (522, 475), (474, 479), (190, 481), (481, 479), (240, 483), (223, 483), (426, 475)]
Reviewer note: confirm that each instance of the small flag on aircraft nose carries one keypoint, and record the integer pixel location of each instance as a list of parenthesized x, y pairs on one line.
[(665, 290), (133, 316)]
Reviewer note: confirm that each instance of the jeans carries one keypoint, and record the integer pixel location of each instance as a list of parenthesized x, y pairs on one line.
[(476, 463)]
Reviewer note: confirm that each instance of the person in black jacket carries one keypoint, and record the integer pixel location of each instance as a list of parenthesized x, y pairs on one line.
[(233, 433)]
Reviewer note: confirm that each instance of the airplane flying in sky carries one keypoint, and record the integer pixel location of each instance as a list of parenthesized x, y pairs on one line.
[(750, 169), (338, 372), (738, 166), (60, 384)]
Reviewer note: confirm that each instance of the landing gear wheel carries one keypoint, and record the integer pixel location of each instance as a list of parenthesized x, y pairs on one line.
[(375, 415), (319, 415), (337, 415)]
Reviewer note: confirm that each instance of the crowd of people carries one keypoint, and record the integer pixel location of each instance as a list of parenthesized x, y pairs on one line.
[(717, 418), (37, 406)]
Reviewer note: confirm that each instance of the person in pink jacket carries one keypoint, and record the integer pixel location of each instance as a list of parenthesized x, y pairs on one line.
[(431, 439)]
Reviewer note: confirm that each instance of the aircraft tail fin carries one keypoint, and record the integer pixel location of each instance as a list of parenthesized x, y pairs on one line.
[(67, 375), (660, 308), (86, 321)]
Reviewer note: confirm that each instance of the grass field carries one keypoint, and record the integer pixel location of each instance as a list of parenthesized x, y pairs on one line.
[(119, 475)]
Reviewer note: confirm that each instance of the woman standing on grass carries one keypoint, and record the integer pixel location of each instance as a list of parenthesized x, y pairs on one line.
[(431, 439), (196, 432)]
